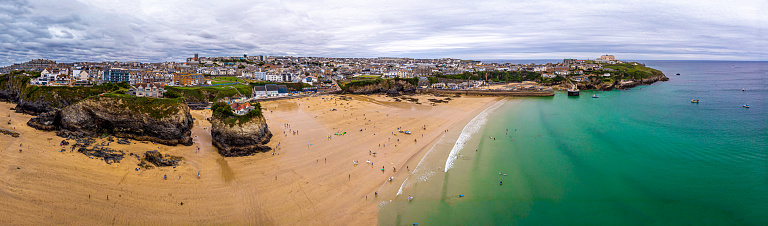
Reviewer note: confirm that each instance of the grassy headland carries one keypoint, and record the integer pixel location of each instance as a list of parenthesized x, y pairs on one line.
[(223, 111)]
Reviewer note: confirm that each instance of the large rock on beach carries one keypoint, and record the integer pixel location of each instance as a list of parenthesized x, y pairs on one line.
[(162, 121), (240, 139)]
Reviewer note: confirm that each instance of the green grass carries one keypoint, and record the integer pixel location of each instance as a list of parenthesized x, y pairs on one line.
[(154, 107), (228, 79), (58, 95), (32, 74), (384, 83), (223, 111), (629, 71), (211, 93), (367, 77)]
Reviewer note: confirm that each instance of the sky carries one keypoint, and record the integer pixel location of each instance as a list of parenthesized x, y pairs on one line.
[(172, 30)]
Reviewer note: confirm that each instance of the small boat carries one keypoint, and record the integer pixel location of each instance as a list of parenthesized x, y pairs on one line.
[(595, 96), (745, 106), (742, 90), (677, 74), (694, 100)]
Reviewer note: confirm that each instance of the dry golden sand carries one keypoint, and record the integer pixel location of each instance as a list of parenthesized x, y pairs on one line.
[(302, 183)]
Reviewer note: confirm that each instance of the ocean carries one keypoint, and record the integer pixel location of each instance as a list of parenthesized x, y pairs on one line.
[(641, 156)]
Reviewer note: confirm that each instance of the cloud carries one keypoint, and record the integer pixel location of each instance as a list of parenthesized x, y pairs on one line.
[(171, 30)]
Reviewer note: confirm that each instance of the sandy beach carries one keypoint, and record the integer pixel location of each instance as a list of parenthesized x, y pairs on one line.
[(301, 182)]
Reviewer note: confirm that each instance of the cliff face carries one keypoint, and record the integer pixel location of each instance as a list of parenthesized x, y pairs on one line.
[(599, 85), (384, 86), (240, 139), (11, 87), (42, 105), (137, 118), (46, 121)]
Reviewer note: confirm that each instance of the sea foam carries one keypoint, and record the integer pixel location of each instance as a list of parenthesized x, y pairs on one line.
[(470, 129), (424, 171)]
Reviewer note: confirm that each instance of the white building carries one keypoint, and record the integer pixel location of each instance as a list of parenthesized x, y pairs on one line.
[(273, 77)]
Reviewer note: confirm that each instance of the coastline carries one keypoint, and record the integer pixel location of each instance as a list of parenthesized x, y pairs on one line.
[(285, 188)]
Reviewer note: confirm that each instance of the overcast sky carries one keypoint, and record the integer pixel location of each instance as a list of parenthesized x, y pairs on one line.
[(171, 30)]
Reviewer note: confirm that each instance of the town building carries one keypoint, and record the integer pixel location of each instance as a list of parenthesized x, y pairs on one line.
[(607, 57), (114, 75), (241, 109), (259, 91), (155, 90), (272, 77), (188, 79), (271, 90)]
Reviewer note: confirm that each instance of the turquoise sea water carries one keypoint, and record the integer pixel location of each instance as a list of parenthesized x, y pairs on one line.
[(631, 157)]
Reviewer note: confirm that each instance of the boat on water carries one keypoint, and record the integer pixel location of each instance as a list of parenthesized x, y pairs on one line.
[(694, 100), (595, 96), (745, 106), (742, 90), (573, 92), (677, 74)]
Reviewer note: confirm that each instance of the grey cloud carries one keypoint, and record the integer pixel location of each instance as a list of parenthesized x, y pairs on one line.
[(86, 30)]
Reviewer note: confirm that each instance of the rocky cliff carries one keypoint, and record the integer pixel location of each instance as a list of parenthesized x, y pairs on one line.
[(11, 87), (239, 135), (34, 100), (389, 86), (597, 83), (165, 121), (234, 139)]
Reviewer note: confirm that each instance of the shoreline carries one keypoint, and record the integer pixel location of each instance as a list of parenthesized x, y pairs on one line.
[(451, 135), (284, 188)]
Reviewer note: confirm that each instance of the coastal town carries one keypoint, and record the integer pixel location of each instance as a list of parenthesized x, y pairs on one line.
[(322, 74)]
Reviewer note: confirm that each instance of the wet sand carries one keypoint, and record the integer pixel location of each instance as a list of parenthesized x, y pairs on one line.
[(301, 183)]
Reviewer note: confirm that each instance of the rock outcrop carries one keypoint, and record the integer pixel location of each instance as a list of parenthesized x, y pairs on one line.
[(46, 121), (40, 106), (163, 121), (157, 159), (603, 86), (391, 87), (240, 139)]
